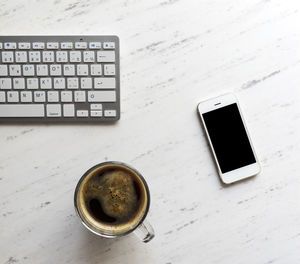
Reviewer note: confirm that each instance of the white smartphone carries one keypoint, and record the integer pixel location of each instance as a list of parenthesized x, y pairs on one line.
[(228, 138)]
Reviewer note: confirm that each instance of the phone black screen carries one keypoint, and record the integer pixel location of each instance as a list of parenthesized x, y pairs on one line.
[(229, 138)]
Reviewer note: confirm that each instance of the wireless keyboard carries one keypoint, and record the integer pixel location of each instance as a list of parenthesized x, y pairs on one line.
[(59, 78)]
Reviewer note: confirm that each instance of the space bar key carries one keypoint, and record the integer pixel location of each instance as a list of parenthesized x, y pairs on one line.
[(22, 110)]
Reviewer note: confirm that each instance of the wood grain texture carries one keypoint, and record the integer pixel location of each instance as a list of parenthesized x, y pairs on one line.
[(174, 53)]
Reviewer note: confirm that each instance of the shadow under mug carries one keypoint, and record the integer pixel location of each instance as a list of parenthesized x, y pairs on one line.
[(143, 230)]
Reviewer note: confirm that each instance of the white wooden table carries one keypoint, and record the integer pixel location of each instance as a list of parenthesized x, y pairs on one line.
[(174, 53)]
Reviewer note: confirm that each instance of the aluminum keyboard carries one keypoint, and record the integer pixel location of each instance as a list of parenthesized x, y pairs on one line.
[(59, 78)]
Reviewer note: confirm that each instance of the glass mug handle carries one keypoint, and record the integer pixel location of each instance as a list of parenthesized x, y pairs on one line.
[(144, 231)]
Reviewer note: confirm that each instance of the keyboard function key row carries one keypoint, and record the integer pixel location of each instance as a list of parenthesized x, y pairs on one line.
[(55, 45)]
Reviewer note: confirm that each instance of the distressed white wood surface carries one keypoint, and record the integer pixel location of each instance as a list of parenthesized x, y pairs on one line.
[(174, 53)]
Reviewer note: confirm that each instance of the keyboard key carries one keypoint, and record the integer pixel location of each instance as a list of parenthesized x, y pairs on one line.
[(21, 56), (13, 97), (42, 70), (7, 56), (14, 70), (80, 45), (59, 83), (101, 96), (5, 83), (72, 83), (86, 83), (52, 96), (96, 113), (75, 56), (82, 69), (69, 110), (24, 45), (22, 110), (104, 83), (28, 70), (46, 83), (19, 83), (32, 83), (34, 56), (66, 96), (96, 106), (53, 110), (106, 56), (55, 70), (66, 45), (69, 70), (38, 45), (95, 45), (39, 96), (109, 69), (2, 97), (61, 56), (48, 56), (96, 70), (109, 45), (82, 113), (3, 70), (89, 56), (52, 45), (26, 97), (10, 45), (110, 113), (79, 96)]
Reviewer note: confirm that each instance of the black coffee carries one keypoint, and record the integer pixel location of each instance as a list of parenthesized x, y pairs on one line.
[(113, 196)]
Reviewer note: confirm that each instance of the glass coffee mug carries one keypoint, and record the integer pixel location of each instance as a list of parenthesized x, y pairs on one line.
[(112, 200)]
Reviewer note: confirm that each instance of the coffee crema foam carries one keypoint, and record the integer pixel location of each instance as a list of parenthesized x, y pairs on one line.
[(112, 199)]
